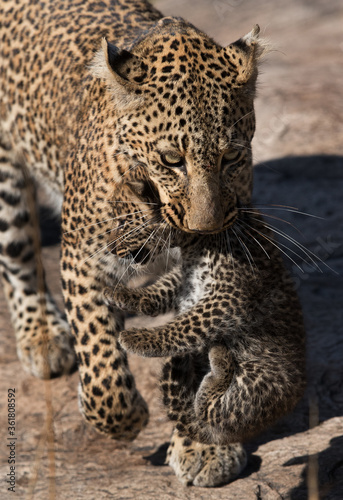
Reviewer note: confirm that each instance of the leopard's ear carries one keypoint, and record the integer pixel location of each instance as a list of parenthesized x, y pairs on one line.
[(244, 55), (123, 72)]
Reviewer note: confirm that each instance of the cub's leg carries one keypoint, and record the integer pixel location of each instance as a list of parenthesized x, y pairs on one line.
[(107, 393), (44, 344), (193, 460), (232, 401), (204, 464), (152, 300), (235, 401), (214, 405), (215, 384), (188, 332)]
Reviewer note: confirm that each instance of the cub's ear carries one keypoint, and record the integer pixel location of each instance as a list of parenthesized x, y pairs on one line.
[(244, 55), (123, 71)]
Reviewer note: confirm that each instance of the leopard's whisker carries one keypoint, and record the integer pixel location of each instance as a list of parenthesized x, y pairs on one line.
[(277, 245), (253, 237), (114, 229), (244, 248), (156, 244), (107, 220), (241, 118), (129, 170), (285, 208), (127, 270), (150, 222), (103, 248), (168, 248), (301, 247), (146, 241), (228, 242), (241, 146), (122, 276), (129, 264), (275, 218), (122, 237), (136, 229), (163, 226), (248, 253), (131, 201)]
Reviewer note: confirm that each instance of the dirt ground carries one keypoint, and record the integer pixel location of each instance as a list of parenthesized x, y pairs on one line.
[(299, 162)]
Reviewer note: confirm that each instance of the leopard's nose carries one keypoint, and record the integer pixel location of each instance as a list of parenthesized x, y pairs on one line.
[(205, 211), (207, 218)]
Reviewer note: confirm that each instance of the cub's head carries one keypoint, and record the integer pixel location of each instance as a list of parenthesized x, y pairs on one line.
[(184, 112)]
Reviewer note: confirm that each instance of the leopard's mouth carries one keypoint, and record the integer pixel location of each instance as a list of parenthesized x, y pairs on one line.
[(227, 224), (139, 255)]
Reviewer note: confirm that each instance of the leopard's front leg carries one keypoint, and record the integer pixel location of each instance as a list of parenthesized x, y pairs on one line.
[(108, 395)]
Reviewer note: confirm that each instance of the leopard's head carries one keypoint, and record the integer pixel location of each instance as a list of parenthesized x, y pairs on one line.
[(184, 111)]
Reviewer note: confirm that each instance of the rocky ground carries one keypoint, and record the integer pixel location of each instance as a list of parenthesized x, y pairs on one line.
[(299, 162)]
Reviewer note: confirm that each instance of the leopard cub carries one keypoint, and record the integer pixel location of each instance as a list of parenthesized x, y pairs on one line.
[(236, 348)]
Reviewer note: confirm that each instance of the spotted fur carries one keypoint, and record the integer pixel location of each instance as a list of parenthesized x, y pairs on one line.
[(237, 345), (92, 94)]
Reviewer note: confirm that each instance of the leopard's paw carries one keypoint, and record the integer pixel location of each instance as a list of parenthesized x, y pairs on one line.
[(46, 350), (122, 416), (205, 465)]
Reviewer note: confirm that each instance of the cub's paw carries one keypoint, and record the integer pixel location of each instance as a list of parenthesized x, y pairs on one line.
[(121, 415), (142, 342), (119, 297), (128, 299), (147, 307), (46, 350), (205, 465)]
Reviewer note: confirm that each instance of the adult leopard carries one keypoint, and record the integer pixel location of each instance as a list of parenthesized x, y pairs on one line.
[(159, 96)]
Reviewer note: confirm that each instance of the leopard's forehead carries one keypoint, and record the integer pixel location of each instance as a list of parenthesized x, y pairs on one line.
[(189, 95), (182, 57), (177, 42)]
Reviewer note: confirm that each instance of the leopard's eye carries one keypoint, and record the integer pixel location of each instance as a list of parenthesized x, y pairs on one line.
[(231, 156), (172, 160)]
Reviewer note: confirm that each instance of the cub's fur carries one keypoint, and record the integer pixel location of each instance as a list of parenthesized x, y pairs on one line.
[(237, 309)]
